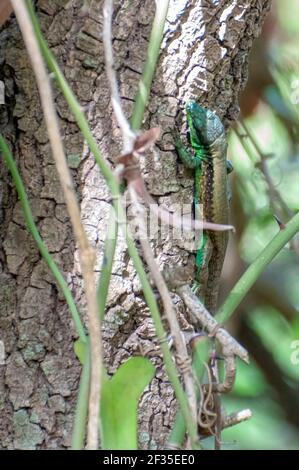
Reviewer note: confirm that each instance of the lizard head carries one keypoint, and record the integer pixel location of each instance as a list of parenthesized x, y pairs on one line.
[(204, 125)]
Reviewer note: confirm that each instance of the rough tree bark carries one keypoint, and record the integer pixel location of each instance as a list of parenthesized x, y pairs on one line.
[(204, 57)]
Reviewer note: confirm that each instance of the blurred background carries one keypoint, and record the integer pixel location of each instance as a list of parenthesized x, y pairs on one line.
[(264, 150)]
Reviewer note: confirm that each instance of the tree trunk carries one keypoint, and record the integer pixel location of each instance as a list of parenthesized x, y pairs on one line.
[(203, 57)]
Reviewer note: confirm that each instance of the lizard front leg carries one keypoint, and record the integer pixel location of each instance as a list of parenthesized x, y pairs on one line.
[(190, 159)]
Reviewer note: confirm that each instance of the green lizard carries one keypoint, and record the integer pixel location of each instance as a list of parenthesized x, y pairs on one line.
[(208, 141)]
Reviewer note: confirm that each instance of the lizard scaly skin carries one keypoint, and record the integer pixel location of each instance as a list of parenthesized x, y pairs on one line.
[(208, 141)]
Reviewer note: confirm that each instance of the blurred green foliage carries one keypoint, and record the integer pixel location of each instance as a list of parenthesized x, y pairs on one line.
[(275, 127)]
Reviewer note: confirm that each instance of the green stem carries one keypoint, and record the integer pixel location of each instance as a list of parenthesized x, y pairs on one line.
[(114, 187), (160, 333), (79, 431), (250, 276), (150, 64), (108, 256), (72, 101), (178, 431), (9, 160)]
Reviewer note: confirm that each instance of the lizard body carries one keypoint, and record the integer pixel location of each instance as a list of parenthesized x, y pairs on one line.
[(208, 141)]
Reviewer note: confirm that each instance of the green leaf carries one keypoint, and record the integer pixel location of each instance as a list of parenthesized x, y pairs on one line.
[(119, 403)]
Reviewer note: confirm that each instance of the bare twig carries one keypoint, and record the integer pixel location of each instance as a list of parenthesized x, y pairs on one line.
[(285, 213), (183, 359), (206, 398), (230, 347), (132, 174), (272, 191), (230, 375), (127, 134), (217, 404), (130, 143), (236, 418), (231, 420), (87, 255)]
